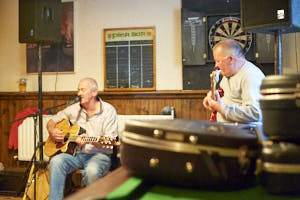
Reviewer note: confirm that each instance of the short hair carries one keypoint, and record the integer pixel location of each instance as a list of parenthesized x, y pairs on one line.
[(93, 82), (231, 47)]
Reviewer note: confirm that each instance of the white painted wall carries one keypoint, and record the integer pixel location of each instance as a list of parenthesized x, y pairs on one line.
[(291, 53), (91, 17)]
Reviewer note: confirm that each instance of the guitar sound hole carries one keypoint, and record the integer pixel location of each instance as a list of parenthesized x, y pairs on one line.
[(66, 137)]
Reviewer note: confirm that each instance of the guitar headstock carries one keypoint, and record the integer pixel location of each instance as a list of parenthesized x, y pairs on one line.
[(214, 79), (217, 75), (107, 140)]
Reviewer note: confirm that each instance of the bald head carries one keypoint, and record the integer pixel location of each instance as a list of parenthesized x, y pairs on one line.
[(229, 47), (229, 57)]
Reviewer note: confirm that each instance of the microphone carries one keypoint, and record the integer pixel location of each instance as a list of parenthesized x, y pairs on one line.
[(74, 101)]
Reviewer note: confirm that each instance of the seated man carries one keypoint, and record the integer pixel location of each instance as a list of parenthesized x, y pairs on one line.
[(241, 85), (97, 118)]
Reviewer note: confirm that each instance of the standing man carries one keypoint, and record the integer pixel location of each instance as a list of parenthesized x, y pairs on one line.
[(241, 84), (98, 118)]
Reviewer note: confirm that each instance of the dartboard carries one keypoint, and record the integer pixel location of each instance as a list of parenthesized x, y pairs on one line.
[(229, 27)]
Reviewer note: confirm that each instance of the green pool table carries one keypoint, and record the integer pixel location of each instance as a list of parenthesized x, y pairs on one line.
[(120, 185)]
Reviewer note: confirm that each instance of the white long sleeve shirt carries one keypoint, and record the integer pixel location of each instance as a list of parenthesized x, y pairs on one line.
[(241, 95)]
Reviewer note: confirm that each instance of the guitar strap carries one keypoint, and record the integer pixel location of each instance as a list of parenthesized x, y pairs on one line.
[(82, 130), (78, 115), (72, 145)]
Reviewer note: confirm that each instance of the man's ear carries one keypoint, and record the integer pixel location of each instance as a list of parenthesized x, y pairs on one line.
[(95, 92), (231, 59)]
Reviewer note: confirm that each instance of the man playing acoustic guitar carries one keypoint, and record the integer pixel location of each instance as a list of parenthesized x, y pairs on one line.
[(97, 118), (241, 85)]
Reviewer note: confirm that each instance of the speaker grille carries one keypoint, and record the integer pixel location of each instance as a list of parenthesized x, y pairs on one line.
[(270, 15), (39, 21)]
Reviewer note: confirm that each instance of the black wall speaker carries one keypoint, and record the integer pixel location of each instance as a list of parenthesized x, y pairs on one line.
[(268, 16), (39, 21)]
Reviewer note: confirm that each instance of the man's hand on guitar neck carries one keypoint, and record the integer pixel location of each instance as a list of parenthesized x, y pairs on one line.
[(211, 104), (80, 141)]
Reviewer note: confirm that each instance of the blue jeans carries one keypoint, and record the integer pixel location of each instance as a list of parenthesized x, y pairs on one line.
[(94, 165)]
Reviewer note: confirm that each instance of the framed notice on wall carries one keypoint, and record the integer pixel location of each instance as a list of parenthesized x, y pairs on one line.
[(129, 59)]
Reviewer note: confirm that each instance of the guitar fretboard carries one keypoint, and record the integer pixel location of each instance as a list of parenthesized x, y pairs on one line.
[(101, 139)]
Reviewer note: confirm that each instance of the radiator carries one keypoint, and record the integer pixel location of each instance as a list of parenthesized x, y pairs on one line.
[(26, 138), (122, 119)]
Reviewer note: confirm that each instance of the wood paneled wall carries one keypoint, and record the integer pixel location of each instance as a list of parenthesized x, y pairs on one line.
[(187, 104)]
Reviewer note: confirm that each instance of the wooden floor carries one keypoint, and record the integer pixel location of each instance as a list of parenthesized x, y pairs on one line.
[(6, 177), (9, 198), (14, 197)]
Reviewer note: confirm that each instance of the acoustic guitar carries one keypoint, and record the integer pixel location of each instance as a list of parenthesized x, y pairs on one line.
[(70, 134)]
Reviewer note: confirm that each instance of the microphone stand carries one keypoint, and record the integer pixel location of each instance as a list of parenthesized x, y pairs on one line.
[(39, 146), (40, 115)]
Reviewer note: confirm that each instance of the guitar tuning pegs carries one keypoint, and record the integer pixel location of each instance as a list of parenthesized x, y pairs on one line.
[(105, 142)]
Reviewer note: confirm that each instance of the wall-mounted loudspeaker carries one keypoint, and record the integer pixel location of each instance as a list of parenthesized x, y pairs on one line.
[(267, 16), (39, 21)]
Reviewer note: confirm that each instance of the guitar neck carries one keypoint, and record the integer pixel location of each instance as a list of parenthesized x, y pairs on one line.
[(104, 140), (213, 85), (73, 138)]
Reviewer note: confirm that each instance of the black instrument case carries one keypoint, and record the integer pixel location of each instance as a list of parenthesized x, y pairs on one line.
[(279, 167), (190, 153), (281, 107)]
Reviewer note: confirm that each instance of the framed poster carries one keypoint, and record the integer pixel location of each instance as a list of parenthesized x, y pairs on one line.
[(57, 57), (129, 59)]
